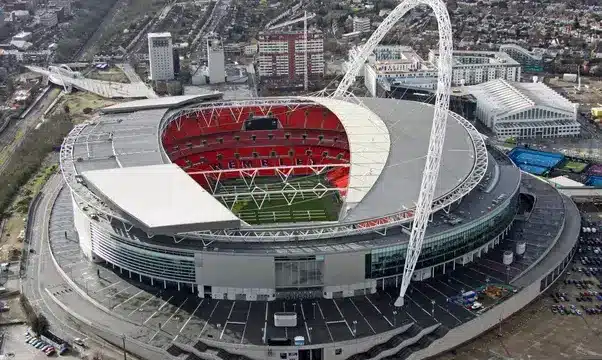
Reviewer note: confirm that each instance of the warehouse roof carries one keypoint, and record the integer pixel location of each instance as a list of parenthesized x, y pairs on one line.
[(505, 97)]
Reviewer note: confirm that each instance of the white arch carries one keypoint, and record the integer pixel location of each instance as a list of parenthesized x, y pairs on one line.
[(433, 157)]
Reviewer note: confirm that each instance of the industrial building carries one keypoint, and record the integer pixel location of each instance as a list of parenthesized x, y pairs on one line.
[(160, 56), (531, 61), (282, 55), (216, 61), (524, 110), (476, 67)]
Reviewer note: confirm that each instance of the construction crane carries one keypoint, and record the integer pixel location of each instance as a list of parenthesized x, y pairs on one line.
[(308, 16)]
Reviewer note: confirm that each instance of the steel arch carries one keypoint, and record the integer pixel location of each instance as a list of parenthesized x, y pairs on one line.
[(424, 206)]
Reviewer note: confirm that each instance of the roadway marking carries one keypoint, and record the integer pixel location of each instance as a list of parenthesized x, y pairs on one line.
[(358, 310), (437, 304), (320, 308), (246, 321), (107, 287), (159, 309), (343, 317), (231, 308), (130, 298), (166, 321), (187, 321), (120, 291), (378, 310), (144, 303), (207, 321)]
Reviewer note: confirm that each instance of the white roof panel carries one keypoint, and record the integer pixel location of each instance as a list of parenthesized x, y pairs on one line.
[(161, 199), (160, 103), (369, 145)]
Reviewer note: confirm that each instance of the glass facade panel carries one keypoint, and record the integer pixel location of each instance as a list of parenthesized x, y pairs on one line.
[(299, 271), (444, 246), (141, 261)]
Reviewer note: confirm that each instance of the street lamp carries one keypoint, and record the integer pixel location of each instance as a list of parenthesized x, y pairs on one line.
[(313, 304), (394, 318), (124, 353), (507, 274), (354, 327)]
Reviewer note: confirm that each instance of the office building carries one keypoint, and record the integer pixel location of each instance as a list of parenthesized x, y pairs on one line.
[(524, 110), (48, 18), (216, 61), (361, 24), (160, 56), (282, 55), (476, 67), (531, 61)]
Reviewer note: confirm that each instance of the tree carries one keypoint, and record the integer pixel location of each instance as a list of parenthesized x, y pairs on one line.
[(38, 323)]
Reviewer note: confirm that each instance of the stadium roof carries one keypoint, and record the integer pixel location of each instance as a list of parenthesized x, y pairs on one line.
[(160, 103), (161, 199), (409, 124), (369, 145), (505, 97), (388, 140)]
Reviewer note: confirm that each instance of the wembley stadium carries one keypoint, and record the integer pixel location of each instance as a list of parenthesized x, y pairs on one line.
[(289, 204)]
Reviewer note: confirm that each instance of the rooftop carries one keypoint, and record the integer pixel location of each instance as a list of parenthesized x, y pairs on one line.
[(159, 35), (161, 198), (505, 97), (160, 103)]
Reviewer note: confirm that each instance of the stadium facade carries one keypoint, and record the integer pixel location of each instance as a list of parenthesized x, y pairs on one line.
[(309, 200)]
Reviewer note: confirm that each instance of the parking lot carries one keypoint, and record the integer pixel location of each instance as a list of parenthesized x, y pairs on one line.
[(14, 343), (166, 315), (541, 331)]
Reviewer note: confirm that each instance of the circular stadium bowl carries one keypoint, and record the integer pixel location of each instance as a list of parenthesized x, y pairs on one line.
[(178, 193)]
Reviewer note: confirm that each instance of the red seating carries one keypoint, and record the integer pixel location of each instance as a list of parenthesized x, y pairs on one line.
[(215, 139)]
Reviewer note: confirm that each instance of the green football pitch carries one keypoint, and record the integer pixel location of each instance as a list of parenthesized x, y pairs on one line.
[(261, 208)]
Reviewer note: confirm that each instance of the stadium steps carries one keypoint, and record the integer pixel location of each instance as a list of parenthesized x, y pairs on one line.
[(175, 350), (413, 331), (201, 348), (393, 342)]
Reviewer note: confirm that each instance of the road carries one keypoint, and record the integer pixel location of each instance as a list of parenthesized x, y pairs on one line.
[(131, 74), (42, 274), (16, 132), (88, 50)]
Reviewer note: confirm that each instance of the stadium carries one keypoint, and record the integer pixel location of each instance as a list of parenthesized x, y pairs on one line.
[(299, 209)]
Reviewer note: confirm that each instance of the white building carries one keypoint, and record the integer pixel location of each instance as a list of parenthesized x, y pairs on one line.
[(524, 110), (361, 24), (160, 56), (476, 67), (216, 61), (399, 66)]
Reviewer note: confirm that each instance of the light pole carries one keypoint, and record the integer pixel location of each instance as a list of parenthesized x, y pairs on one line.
[(507, 274), (354, 327), (124, 352), (394, 318), (313, 304)]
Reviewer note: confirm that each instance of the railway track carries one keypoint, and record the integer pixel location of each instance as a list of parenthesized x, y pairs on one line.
[(14, 135)]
